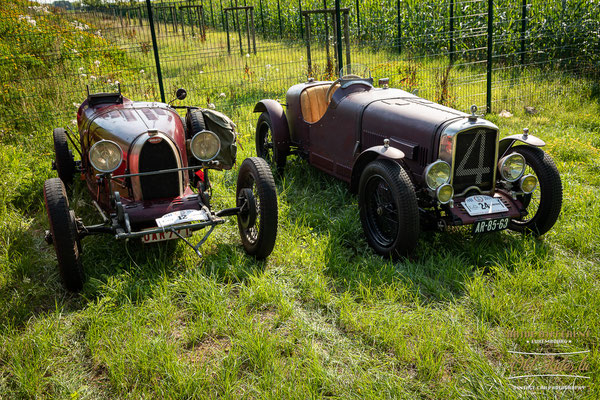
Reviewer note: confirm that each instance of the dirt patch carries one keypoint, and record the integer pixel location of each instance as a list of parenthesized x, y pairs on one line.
[(207, 349)]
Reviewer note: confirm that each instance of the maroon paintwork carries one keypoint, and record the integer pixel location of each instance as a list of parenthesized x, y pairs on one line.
[(124, 123), (351, 133)]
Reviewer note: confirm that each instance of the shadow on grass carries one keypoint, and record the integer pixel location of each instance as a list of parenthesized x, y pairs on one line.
[(435, 272)]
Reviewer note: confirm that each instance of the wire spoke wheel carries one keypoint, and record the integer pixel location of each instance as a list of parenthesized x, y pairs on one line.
[(266, 147), (257, 222), (388, 206), (544, 203)]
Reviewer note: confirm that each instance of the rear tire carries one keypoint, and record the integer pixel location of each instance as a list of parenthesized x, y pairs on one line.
[(258, 236), (265, 143), (64, 160), (544, 204), (64, 234), (388, 209)]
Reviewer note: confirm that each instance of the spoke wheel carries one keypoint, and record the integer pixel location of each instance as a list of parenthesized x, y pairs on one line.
[(64, 160), (258, 223), (266, 147), (64, 234), (388, 208), (544, 203)]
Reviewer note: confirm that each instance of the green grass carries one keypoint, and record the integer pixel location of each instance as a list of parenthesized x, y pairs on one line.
[(323, 316)]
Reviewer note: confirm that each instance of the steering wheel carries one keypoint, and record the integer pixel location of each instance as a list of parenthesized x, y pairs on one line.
[(330, 90)]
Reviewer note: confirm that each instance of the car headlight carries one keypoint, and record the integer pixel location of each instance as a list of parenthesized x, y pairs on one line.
[(437, 173), (445, 193), (205, 145), (106, 156), (512, 167), (528, 183)]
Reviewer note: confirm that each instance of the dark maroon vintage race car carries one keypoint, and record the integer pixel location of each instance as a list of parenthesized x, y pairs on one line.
[(147, 172), (415, 164)]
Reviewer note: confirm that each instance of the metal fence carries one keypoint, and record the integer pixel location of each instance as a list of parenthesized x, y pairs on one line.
[(229, 54)]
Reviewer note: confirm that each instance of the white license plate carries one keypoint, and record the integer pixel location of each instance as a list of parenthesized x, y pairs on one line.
[(490, 225), (483, 205), (181, 217), (168, 235)]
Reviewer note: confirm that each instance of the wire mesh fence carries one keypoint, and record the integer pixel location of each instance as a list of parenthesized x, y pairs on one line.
[(230, 54)]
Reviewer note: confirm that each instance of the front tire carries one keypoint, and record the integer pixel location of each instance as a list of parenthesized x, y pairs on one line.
[(64, 160), (389, 213), (258, 229), (265, 143), (64, 234), (544, 203)]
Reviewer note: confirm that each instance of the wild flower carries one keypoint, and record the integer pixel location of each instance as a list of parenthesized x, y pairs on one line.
[(84, 75), (142, 71), (92, 77), (97, 63), (81, 69), (268, 66), (247, 55), (221, 94), (211, 105)]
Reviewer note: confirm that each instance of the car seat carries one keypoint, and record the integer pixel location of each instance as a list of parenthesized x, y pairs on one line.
[(313, 102)]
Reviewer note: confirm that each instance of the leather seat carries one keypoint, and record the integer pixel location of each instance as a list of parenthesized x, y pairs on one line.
[(313, 102)]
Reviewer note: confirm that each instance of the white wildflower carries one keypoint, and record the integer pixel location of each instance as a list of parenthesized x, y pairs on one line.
[(76, 105), (74, 121), (81, 69), (142, 71), (211, 105), (97, 63), (221, 94), (201, 72), (83, 75), (268, 66), (92, 77), (247, 55)]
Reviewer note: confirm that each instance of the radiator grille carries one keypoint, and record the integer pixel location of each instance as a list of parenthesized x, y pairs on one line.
[(475, 159), (155, 157)]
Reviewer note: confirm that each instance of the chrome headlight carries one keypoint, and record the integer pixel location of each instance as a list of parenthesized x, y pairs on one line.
[(528, 183), (445, 193), (437, 173), (106, 156), (512, 167), (205, 145)]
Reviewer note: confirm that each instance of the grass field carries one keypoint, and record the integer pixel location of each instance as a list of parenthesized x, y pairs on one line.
[(323, 316)]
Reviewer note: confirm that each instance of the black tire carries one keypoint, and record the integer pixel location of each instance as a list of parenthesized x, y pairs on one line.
[(389, 213), (64, 160), (194, 121), (258, 237), (64, 234), (544, 204), (265, 144)]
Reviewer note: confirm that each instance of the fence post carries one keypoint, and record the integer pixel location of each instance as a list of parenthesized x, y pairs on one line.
[(300, 18), (451, 31), (338, 29), (156, 58), (490, 49), (279, 16), (358, 19), (523, 30), (399, 27)]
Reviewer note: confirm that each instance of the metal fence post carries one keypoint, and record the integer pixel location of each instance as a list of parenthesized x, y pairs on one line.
[(490, 49), (338, 28), (523, 30), (279, 16), (399, 27), (451, 47), (358, 18), (156, 58)]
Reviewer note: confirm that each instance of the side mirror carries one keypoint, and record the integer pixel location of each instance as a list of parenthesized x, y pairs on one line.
[(181, 94)]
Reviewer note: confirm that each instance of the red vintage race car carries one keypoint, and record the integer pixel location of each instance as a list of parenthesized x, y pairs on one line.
[(147, 172), (415, 164)]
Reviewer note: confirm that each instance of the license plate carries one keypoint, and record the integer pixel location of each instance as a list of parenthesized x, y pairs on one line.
[(168, 235), (490, 225), (483, 205), (181, 217)]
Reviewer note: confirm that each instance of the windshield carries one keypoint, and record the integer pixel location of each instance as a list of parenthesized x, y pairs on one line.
[(355, 71)]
